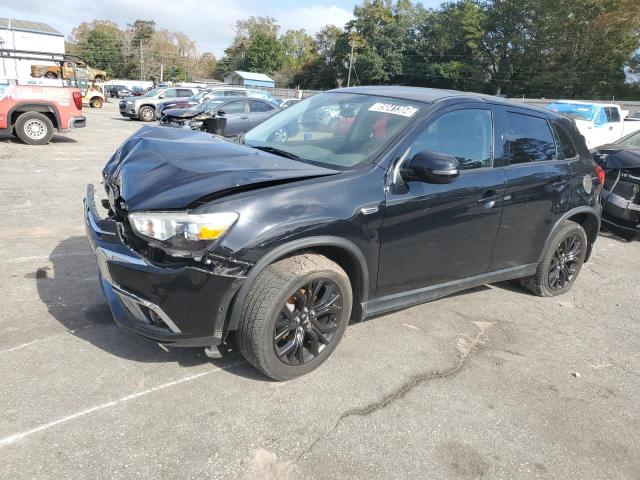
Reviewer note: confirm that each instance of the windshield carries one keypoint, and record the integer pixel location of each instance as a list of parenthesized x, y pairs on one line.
[(338, 130), (152, 93), (577, 111)]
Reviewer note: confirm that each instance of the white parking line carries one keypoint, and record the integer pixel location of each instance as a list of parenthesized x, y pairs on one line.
[(47, 257), (66, 332), (19, 436)]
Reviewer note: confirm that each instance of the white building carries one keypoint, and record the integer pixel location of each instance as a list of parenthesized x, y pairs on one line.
[(27, 36)]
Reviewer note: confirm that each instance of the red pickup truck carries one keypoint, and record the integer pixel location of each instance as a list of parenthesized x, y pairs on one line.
[(34, 112)]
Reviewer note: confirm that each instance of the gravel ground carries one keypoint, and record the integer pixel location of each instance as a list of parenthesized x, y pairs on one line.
[(491, 383)]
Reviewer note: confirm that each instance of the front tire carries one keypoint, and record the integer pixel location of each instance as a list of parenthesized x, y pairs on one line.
[(147, 114), (294, 315), (34, 128), (561, 263)]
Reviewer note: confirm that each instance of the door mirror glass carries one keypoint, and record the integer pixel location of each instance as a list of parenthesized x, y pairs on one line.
[(432, 167)]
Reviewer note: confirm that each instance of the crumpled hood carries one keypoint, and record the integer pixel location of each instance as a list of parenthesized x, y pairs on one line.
[(180, 112), (160, 168)]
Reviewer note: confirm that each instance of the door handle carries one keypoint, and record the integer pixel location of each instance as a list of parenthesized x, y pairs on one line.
[(489, 199), (244, 118)]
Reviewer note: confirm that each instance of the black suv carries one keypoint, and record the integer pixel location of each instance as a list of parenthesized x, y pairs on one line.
[(352, 203)]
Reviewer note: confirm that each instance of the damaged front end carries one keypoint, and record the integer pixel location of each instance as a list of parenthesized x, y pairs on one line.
[(621, 191), (202, 117), (159, 240)]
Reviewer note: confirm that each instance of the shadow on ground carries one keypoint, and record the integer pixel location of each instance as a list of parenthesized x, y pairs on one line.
[(9, 138), (73, 296)]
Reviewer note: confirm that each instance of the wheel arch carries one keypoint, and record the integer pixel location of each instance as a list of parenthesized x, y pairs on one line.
[(153, 107), (41, 107), (587, 217), (342, 251)]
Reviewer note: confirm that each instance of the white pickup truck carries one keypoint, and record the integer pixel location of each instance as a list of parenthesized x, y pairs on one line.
[(599, 123)]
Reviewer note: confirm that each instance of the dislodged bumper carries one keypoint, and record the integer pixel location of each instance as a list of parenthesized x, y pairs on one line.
[(177, 306)]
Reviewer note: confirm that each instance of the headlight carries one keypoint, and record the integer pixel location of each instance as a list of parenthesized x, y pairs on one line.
[(182, 234), (129, 102)]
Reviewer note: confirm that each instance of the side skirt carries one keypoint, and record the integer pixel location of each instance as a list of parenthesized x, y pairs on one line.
[(401, 300)]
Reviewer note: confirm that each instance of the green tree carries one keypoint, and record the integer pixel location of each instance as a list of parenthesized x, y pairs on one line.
[(265, 54), (101, 44)]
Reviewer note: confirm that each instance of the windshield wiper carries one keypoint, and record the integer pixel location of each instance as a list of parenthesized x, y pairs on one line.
[(277, 151)]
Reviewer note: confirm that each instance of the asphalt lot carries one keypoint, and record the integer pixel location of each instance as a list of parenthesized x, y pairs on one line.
[(492, 383)]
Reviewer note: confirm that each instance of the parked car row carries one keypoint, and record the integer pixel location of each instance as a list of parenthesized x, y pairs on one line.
[(208, 94)]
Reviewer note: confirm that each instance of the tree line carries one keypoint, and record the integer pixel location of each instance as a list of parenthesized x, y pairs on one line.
[(533, 48)]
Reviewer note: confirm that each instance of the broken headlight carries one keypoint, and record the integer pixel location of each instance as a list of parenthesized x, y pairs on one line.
[(181, 234)]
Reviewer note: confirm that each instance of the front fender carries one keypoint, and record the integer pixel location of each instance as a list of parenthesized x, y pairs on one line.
[(235, 310)]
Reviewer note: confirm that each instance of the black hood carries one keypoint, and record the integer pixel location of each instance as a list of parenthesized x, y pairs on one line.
[(617, 156), (160, 168)]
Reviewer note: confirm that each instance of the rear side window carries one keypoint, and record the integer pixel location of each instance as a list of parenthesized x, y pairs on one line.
[(528, 139), (233, 107), (183, 92), (613, 115), (258, 106), (566, 148)]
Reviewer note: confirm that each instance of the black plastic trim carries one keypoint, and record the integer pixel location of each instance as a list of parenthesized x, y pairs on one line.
[(294, 246), (402, 300), (574, 211)]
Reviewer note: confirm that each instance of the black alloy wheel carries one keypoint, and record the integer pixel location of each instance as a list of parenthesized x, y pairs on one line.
[(294, 315), (307, 322), (565, 262), (561, 261)]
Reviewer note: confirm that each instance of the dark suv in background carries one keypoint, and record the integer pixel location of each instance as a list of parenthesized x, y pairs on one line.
[(405, 195)]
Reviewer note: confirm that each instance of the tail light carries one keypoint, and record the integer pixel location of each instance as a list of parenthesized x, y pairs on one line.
[(77, 99), (600, 174)]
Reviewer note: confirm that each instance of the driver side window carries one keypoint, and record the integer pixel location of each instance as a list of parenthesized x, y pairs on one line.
[(466, 135)]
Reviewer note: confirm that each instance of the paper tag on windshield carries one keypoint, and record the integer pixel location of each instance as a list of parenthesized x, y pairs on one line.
[(404, 110)]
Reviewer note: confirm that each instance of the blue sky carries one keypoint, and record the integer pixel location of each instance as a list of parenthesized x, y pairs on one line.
[(209, 22)]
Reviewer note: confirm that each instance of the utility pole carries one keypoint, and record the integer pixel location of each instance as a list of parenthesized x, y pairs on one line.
[(352, 42), (141, 62)]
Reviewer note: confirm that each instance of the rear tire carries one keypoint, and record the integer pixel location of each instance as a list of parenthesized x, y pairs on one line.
[(34, 128), (561, 263), (294, 315), (147, 114), (96, 102)]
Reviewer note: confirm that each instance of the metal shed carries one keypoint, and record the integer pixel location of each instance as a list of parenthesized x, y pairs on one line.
[(249, 79)]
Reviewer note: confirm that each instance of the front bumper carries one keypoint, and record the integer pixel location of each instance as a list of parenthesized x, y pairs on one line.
[(130, 113), (176, 306), (78, 122)]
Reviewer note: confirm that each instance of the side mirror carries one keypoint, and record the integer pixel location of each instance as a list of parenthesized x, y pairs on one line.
[(432, 167), (221, 113)]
